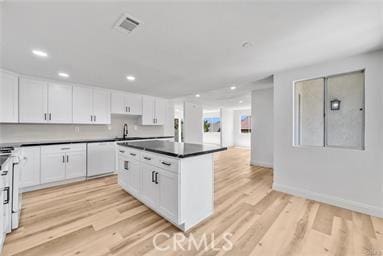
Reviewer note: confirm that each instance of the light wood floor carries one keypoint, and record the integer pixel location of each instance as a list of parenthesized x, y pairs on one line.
[(98, 218)]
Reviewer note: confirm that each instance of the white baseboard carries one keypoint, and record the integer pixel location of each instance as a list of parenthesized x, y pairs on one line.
[(267, 165), (336, 201)]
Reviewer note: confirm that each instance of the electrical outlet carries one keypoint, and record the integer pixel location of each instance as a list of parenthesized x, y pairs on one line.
[(77, 129), (135, 127)]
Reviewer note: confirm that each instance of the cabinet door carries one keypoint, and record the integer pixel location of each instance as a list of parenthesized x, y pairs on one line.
[(160, 109), (148, 104), (30, 171), (9, 102), (82, 105), (101, 106), (168, 192), (75, 164), (59, 103), (133, 104), (134, 179), (101, 158), (52, 167), (149, 189), (32, 101), (122, 172), (118, 105)]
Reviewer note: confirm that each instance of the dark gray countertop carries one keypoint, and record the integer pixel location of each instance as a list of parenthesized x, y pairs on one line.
[(174, 149), (56, 142)]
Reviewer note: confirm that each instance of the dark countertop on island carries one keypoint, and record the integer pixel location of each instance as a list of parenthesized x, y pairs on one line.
[(63, 141), (174, 149)]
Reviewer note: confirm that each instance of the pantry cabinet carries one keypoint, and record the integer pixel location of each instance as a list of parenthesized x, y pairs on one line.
[(126, 103), (91, 106), (9, 93), (42, 102)]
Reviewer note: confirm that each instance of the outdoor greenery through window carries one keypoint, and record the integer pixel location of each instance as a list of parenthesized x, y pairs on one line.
[(245, 124), (212, 124)]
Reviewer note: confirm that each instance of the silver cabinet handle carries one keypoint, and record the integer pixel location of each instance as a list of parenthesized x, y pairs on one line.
[(67, 158), (63, 159), (95, 118), (50, 116), (156, 178), (129, 109), (132, 154), (147, 158), (122, 151), (126, 108), (45, 116), (91, 118)]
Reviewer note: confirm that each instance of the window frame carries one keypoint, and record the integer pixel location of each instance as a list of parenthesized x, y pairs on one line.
[(296, 129), (240, 124)]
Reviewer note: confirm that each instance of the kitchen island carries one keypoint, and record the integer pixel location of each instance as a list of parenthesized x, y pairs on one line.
[(174, 179)]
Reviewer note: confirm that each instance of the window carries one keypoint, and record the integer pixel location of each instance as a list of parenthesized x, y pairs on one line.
[(212, 124), (329, 111), (245, 124)]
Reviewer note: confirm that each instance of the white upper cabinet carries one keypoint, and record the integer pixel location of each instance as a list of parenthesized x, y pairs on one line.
[(153, 110), (126, 103), (40, 102), (9, 93), (101, 106), (82, 105), (59, 103), (33, 107), (91, 106)]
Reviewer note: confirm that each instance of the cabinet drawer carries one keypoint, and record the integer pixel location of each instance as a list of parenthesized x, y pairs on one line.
[(131, 153), (63, 148), (149, 158), (167, 163)]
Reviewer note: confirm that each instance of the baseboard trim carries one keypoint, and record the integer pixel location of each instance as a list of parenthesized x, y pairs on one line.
[(336, 201), (267, 165)]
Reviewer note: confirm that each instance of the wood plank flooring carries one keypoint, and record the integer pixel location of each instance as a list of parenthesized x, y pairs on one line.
[(98, 218)]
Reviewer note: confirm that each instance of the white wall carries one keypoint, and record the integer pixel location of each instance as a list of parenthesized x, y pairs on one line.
[(344, 177), (212, 137), (227, 129), (192, 123), (241, 139), (262, 127), (32, 132)]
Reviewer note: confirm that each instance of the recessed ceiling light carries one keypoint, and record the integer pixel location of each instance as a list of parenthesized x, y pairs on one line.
[(233, 87), (241, 101), (130, 78), (64, 75), (197, 95), (40, 53)]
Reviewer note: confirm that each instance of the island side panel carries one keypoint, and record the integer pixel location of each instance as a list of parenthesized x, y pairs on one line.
[(197, 189)]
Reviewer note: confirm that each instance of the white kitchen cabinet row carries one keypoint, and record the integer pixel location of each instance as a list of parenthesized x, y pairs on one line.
[(48, 164), (29, 100)]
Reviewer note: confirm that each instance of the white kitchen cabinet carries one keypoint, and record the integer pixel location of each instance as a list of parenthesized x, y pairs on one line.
[(59, 103), (159, 111), (40, 102), (153, 110), (168, 193), (91, 106), (61, 162), (52, 166), (149, 189), (126, 103), (33, 107), (134, 177), (9, 94), (101, 106), (75, 164), (30, 174)]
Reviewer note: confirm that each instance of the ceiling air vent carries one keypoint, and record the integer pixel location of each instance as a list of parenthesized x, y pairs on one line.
[(126, 24)]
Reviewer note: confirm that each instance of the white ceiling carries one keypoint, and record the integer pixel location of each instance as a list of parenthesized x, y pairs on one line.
[(183, 48)]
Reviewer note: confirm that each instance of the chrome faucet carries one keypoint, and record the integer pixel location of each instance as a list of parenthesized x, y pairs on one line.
[(125, 131)]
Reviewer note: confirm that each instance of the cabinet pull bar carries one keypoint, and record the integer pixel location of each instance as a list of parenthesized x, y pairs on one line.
[(166, 163), (67, 158), (152, 176), (156, 178), (132, 154), (63, 159), (147, 158)]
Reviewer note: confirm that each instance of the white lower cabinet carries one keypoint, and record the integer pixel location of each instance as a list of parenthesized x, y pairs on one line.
[(61, 162), (30, 171), (140, 175)]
